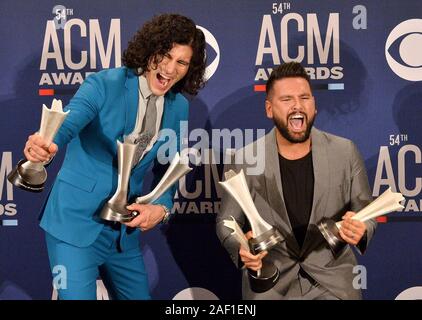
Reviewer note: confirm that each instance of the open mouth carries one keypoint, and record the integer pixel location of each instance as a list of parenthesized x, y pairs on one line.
[(163, 80), (296, 121)]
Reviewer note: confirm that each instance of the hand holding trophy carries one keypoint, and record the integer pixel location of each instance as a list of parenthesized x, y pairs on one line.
[(31, 176), (264, 235), (387, 202)]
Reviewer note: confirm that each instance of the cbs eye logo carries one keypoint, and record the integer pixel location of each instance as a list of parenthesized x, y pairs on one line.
[(410, 32), (212, 42)]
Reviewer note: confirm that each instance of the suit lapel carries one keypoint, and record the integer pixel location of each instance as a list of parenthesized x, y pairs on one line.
[(275, 190), (131, 100), (321, 184)]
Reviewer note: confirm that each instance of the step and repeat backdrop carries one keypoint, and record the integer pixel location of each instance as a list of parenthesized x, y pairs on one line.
[(365, 62)]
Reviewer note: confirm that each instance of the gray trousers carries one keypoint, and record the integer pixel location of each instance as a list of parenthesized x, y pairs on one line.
[(302, 288), (305, 288)]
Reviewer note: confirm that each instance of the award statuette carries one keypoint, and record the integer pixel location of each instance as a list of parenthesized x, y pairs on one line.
[(115, 208), (31, 176), (387, 202), (264, 235)]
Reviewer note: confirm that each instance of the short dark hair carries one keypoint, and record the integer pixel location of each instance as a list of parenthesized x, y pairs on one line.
[(157, 37), (287, 70)]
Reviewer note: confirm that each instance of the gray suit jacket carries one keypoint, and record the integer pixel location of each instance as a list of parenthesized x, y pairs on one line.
[(341, 184)]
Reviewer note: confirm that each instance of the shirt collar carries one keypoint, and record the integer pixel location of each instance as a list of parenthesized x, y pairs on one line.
[(144, 88)]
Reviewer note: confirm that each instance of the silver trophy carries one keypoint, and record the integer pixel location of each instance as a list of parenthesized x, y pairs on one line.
[(31, 176), (387, 202), (264, 235), (115, 208)]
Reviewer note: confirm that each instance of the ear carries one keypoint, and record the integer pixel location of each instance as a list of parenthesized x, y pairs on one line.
[(268, 109)]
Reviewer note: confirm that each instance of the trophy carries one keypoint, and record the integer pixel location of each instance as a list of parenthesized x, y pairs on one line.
[(115, 208), (387, 202), (264, 235), (31, 176)]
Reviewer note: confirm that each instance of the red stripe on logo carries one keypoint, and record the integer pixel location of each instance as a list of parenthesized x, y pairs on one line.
[(46, 92), (382, 219), (259, 87)]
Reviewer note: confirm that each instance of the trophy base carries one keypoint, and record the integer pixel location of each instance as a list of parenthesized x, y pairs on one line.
[(27, 179), (112, 212), (330, 232), (265, 241), (266, 280)]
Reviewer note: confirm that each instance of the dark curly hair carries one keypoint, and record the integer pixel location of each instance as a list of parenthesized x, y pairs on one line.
[(157, 37)]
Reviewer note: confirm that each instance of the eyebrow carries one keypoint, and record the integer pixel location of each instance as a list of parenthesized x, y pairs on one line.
[(291, 95), (180, 60)]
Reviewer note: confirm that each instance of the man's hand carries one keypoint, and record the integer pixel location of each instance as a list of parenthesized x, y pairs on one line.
[(251, 261), (37, 150), (351, 230), (149, 216)]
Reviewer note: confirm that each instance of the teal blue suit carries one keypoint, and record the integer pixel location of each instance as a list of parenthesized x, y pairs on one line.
[(102, 111)]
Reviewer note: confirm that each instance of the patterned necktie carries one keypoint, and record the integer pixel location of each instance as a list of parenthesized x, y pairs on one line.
[(150, 118), (147, 130)]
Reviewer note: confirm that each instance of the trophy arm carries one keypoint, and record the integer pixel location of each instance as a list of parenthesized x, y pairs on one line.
[(385, 210), (237, 233), (175, 171), (387, 202)]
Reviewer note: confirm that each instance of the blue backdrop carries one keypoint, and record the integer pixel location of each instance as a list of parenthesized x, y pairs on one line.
[(366, 61)]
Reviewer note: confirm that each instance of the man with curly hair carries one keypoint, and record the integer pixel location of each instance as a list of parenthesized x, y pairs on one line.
[(165, 58)]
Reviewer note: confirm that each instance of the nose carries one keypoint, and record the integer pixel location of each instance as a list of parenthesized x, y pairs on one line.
[(296, 105), (170, 66)]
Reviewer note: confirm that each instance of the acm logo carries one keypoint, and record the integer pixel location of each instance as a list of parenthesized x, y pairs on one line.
[(64, 63), (310, 39), (7, 206)]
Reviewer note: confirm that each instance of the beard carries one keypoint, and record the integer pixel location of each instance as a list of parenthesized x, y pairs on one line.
[(283, 128)]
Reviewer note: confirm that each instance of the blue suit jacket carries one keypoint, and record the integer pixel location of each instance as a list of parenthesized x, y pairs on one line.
[(102, 111)]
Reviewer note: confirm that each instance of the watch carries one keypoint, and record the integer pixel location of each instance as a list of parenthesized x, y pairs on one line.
[(167, 214)]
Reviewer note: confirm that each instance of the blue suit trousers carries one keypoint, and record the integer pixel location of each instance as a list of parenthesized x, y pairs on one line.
[(77, 269)]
